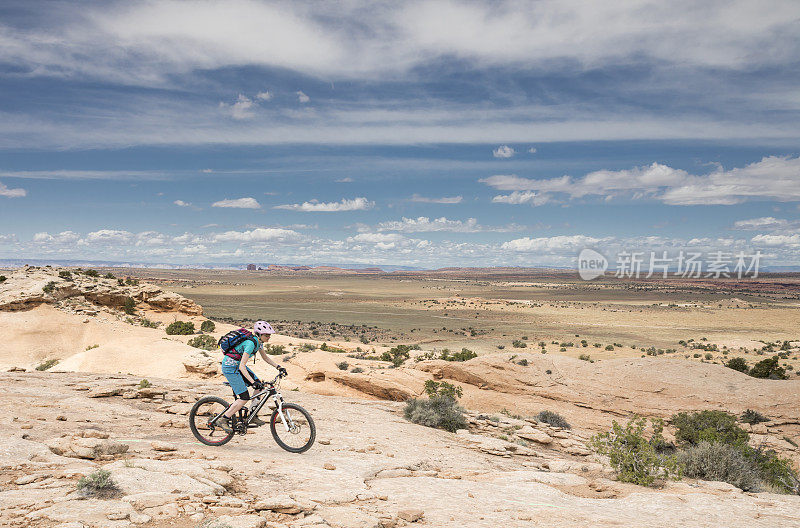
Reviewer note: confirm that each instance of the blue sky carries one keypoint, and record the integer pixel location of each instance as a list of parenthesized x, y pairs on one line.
[(414, 133)]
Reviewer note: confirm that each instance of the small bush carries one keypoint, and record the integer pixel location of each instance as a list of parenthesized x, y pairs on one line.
[(204, 342), (49, 287), (3, 278), (738, 363), (397, 355), (440, 410), (768, 369), (130, 306), (343, 365), (145, 383), (719, 462), (147, 323), (464, 355), (98, 484), (275, 350), (91, 273), (708, 426), (519, 344), (180, 328), (523, 362), (110, 276), (66, 275), (753, 417), (207, 326), (357, 370), (47, 364), (90, 347), (553, 419), (609, 347), (131, 282)]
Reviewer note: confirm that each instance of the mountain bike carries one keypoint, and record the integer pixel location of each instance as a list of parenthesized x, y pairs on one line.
[(292, 426)]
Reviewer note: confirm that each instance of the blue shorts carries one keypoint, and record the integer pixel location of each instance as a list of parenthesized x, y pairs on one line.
[(230, 369)]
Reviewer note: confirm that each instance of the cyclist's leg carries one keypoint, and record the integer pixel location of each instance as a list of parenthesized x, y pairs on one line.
[(239, 387)]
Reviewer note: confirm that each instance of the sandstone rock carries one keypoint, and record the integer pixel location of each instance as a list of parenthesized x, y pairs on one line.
[(281, 504), (315, 376), (29, 479), (410, 515), (150, 392), (149, 499), (242, 521), (197, 363), (329, 466), (163, 446), (139, 518), (104, 392), (394, 473), (534, 435), (94, 433)]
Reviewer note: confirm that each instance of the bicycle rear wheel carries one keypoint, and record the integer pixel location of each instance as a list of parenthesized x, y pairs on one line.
[(301, 431), (205, 410)]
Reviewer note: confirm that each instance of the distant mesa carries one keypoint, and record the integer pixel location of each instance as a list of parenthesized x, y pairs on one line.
[(279, 268)]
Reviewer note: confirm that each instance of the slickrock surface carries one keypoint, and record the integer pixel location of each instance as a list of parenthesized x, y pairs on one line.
[(386, 471)]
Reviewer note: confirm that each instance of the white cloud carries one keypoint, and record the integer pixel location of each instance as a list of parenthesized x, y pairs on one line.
[(767, 222), (526, 197), (532, 150), (64, 237), (345, 180), (109, 236), (376, 238), (774, 178), (442, 200), (181, 203), (556, 244), (503, 151), (777, 240), (264, 96), (11, 193), (260, 234), (424, 224), (303, 98), (241, 109), (239, 203), (356, 204)]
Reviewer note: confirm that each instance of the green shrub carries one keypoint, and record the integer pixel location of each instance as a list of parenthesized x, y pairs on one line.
[(90, 347), (464, 355), (719, 462), (633, 456), (110, 275), (585, 357), (519, 344), (738, 363), (120, 282), (397, 355), (553, 419), (145, 383), (440, 409), (47, 364), (129, 306), (523, 362), (769, 369), (98, 484), (207, 326), (609, 347), (180, 328), (3, 278), (204, 342), (147, 323), (357, 370), (275, 350), (753, 417), (91, 273), (66, 275), (343, 365), (708, 426), (49, 287)]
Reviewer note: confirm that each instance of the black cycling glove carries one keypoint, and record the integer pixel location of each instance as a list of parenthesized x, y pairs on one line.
[(258, 385), (282, 371)]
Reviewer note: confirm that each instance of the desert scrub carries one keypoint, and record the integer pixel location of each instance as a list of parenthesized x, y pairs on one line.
[(98, 484), (356, 370), (519, 344), (130, 306), (180, 328), (145, 383), (719, 462), (207, 326), (275, 350), (3, 278), (90, 347), (553, 419), (147, 323), (49, 287), (66, 275), (633, 456), (328, 348), (205, 342), (47, 364), (440, 409), (464, 355), (738, 363), (708, 426), (769, 369), (752, 417), (397, 355), (343, 365)]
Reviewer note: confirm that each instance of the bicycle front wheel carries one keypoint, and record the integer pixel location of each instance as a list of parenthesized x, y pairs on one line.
[(297, 435), (200, 417)]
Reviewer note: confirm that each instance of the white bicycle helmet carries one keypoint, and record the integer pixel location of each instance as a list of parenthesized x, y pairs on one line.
[(263, 327)]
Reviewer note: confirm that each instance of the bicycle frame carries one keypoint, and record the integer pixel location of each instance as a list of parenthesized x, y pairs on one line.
[(271, 391)]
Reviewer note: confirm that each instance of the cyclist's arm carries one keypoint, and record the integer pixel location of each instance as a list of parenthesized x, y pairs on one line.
[(246, 350), (268, 359)]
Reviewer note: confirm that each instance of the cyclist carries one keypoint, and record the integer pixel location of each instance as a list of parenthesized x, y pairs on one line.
[(234, 367)]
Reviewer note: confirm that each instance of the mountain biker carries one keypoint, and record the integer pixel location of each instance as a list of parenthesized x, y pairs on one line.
[(240, 376)]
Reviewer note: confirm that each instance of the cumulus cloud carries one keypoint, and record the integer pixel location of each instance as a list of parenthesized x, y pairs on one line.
[(766, 222), (526, 197), (532, 150), (442, 200), (777, 240), (64, 237), (356, 204), (303, 98), (424, 224), (238, 203), (109, 236), (264, 96), (557, 244), (11, 193), (260, 234), (241, 109), (773, 177), (181, 203), (503, 151), (345, 180)]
